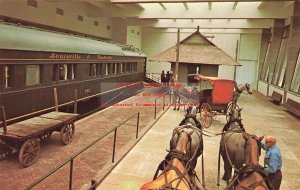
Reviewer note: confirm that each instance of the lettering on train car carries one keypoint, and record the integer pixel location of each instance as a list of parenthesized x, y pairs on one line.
[(104, 57), (64, 56)]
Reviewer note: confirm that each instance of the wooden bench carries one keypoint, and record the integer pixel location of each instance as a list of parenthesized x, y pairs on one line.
[(292, 106), (276, 98)]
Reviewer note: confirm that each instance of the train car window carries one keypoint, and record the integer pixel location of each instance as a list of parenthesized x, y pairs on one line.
[(134, 67), (54, 72), (115, 68), (99, 69), (128, 67), (63, 72), (33, 74), (122, 69), (106, 69), (93, 70), (71, 71), (7, 76)]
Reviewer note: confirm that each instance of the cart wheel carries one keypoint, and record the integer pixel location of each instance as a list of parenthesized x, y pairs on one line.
[(29, 152), (205, 115), (45, 136), (66, 133)]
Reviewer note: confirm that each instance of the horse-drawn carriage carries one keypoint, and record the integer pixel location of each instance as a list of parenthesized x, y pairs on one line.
[(214, 95)]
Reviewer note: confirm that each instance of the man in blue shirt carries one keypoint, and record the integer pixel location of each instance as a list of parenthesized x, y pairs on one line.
[(272, 161)]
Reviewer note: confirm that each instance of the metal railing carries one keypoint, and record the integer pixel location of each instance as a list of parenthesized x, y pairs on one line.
[(70, 159), (164, 102), (154, 76)]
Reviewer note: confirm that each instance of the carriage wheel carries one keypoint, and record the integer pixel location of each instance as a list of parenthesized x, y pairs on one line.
[(66, 133), (205, 115), (45, 136), (29, 152)]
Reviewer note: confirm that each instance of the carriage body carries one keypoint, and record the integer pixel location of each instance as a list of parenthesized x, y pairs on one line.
[(214, 94), (215, 91)]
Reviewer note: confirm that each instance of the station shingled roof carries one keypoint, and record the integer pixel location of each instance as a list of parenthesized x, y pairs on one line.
[(196, 49)]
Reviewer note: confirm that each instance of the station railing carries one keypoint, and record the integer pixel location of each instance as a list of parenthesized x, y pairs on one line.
[(154, 77)]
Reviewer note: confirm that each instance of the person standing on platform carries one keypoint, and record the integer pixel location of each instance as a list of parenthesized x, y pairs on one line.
[(168, 77), (163, 78), (272, 161)]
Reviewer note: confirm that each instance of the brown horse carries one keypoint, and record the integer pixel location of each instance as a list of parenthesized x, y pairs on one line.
[(252, 175), (176, 170), (232, 148)]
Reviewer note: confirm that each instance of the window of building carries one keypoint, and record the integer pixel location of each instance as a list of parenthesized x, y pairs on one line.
[(108, 27), (264, 71), (33, 74), (93, 70), (280, 81), (281, 61), (7, 76), (96, 23), (295, 85)]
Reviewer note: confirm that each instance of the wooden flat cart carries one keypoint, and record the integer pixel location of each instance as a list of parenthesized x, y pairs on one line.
[(214, 96), (25, 136)]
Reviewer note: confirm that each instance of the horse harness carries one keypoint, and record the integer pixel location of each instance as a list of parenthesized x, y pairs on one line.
[(247, 170), (166, 165)]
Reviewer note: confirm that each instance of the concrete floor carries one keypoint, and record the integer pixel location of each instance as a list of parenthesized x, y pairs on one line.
[(260, 117)]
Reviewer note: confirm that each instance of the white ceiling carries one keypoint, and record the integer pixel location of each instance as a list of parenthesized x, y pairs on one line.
[(208, 14)]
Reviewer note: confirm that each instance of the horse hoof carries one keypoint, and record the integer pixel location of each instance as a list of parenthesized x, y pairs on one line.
[(177, 108)]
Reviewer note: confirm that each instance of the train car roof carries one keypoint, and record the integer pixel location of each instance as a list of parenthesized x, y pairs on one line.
[(135, 54), (31, 39)]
